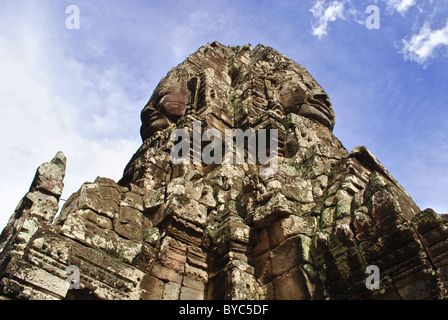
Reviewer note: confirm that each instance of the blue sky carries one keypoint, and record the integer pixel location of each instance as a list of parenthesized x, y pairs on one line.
[(81, 91)]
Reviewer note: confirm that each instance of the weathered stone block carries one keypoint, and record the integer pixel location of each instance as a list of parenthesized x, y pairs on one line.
[(42, 205), (89, 198), (197, 257), (35, 276), (171, 291), (187, 209), (133, 200), (187, 293), (292, 225), (275, 208), (128, 223), (291, 285), (167, 274), (152, 200), (104, 239), (290, 253), (152, 288), (171, 261), (262, 244), (243, 285), (298, 190), (263, 268), (50, 175), (92, 216), (185, 231)]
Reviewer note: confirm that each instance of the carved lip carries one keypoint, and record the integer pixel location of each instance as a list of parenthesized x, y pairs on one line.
[(174, 104), (174, 98), (317, 113)]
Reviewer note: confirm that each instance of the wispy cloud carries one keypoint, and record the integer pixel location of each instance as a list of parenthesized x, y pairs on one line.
[(400, 6), (51, 102), (418, 46), (325, 13), (423, 45)]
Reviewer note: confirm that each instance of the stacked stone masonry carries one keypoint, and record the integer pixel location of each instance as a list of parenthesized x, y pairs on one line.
[(226, 231)]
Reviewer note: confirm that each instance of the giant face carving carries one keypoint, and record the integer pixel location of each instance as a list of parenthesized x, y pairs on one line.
[(309, 102), (234, 83), (165, 107)]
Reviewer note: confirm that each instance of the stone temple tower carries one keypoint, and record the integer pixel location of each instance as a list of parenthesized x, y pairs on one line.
[(316, 227)]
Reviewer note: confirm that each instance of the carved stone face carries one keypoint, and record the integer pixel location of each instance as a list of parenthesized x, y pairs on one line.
[(163, 109), (304, 98), (219, 83)]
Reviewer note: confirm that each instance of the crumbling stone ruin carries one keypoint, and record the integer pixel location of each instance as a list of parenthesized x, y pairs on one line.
[(226, 231)]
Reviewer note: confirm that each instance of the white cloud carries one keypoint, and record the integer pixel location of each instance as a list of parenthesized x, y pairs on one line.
[(50, 102), (401, 6), (423, 46), (326, 13)]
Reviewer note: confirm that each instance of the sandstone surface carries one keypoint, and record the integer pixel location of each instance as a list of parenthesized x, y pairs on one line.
[(227, 231)]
